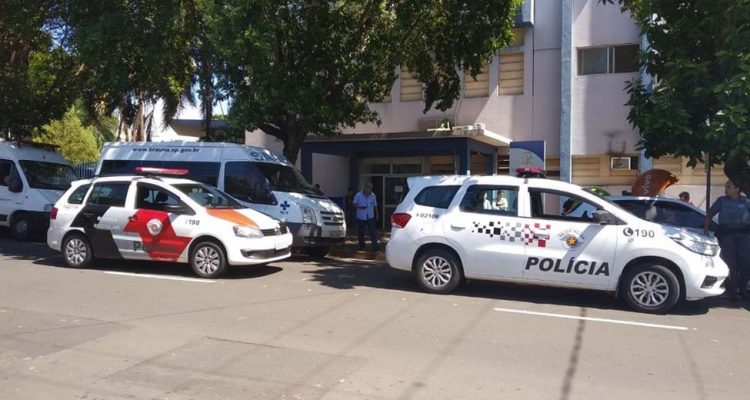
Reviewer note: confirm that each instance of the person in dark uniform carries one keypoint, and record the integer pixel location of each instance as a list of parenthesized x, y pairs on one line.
[(734, 237)]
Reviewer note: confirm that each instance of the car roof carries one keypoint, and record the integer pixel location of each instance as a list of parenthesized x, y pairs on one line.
[(131, 178)]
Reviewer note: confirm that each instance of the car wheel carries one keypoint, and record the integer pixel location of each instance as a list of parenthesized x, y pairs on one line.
[(76, 251), (438, 271), (318, 251), (651, 289), (208, 260), (20, 228)]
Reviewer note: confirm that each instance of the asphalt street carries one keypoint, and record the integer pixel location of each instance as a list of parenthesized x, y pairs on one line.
[(344, 329)]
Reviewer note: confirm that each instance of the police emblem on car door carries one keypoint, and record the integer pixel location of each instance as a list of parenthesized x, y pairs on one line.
[(151, 226), (567, 246)]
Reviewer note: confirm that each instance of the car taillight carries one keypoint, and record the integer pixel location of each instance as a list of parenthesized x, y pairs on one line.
[(399, 220), (53, 213)]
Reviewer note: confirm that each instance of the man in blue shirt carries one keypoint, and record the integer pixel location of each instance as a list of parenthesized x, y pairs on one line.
[(367, 213), (734, 237)]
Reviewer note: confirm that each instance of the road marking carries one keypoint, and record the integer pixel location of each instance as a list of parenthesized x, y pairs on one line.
[(171, 278), (611, 321)]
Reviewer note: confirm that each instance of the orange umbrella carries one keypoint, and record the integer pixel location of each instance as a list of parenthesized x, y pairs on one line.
[(653, 182)]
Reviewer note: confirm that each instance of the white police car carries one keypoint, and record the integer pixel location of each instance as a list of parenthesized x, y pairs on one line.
[(162, 219), (514, 229)]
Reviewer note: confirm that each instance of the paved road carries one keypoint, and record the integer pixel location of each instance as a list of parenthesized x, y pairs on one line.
[(343, 330)]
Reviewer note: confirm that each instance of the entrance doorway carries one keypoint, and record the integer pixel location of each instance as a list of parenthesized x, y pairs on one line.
[(388, 178)]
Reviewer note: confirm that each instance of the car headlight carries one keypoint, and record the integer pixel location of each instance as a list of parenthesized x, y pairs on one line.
[(247, 232), (704, 248), (308, 215)]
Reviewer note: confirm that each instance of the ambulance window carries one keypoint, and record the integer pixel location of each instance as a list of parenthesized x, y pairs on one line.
[(243, 180), (77, 196), (494, 200), (561, 206), (436, 196), (4, 172), (154, 198), (109, 194)]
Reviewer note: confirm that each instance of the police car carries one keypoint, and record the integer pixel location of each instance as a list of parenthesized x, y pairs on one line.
[(516, 229), (159, 218)]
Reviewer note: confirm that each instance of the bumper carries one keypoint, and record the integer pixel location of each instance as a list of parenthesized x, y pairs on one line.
[(400, 250), (309, 235), (242, 251), (707, 278)]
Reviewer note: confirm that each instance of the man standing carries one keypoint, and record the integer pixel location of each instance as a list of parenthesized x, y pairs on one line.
[(367, 213)]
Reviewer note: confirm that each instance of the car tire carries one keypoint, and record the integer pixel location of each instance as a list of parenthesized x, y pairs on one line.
[(650, 288), (208, 260), (438, 271), (76, 250), (318, 251), (20, 227)]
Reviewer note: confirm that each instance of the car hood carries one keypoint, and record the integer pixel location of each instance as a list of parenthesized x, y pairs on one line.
[(687, 233), (318, 203), (244, 217)]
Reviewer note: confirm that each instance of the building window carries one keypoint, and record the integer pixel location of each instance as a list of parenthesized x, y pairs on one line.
[(608, 60), (479, 87), (511, 66), (411, 88)]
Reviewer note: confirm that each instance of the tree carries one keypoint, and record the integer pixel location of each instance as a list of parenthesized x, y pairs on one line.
[(700, 105), (295, 68), (77, 143), (132, 54), (36, 72)]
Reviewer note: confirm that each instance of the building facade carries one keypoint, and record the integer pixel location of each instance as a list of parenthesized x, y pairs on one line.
[(561, 81)]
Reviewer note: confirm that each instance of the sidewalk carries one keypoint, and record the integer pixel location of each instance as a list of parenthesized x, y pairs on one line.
[(350, 249)]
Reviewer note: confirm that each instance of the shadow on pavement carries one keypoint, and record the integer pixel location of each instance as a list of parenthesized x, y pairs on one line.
[(350, 274)]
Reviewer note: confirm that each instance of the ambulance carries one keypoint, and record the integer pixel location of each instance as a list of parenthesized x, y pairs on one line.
[(515, 229), (32, 177), (258, 178), (162, 218)]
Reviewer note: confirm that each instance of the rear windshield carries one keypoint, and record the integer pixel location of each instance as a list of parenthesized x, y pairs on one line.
[(436, 196)]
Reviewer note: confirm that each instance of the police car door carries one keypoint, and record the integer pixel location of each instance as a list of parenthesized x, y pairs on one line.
[(104, 216), (159, 226), (487, 227), (566, 246)]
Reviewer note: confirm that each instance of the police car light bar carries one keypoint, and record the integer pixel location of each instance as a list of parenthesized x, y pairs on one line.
[(161, 171), (530, 172)]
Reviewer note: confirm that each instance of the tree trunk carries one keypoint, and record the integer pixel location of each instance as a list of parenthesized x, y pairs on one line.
[(293, 142)]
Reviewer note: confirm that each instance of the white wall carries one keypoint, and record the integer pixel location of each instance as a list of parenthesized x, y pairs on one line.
[(599, 112)]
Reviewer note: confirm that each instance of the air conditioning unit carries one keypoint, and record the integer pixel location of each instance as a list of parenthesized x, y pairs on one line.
[(620, 163)]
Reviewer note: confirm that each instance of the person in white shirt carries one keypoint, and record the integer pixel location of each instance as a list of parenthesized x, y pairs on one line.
[(366, 205)]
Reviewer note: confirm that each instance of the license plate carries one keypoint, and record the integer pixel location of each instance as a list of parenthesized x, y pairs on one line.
[(281, 245), (337, 234)]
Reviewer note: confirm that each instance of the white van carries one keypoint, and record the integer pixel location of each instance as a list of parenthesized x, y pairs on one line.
[(258, 178), (33, 176)]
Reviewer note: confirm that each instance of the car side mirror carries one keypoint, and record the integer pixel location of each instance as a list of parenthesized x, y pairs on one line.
[(15, 185), (604, 217)]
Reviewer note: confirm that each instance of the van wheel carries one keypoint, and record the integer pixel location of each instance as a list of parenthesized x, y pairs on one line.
[(77, 251), (650, 288), (208, 260), (437, 271), (20, 228), (318, 251)]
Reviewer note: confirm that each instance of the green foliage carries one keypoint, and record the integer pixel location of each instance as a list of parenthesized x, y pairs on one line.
[(295, 68), (131, 53), (36, 74), (700, 57), (77, 142)]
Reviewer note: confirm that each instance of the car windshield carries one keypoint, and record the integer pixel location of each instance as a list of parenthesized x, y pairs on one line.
[(207, 196), (285, 178), (47, 175)]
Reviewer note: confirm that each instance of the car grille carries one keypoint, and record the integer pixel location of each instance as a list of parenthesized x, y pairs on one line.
[(332, 218), (275, 231)]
